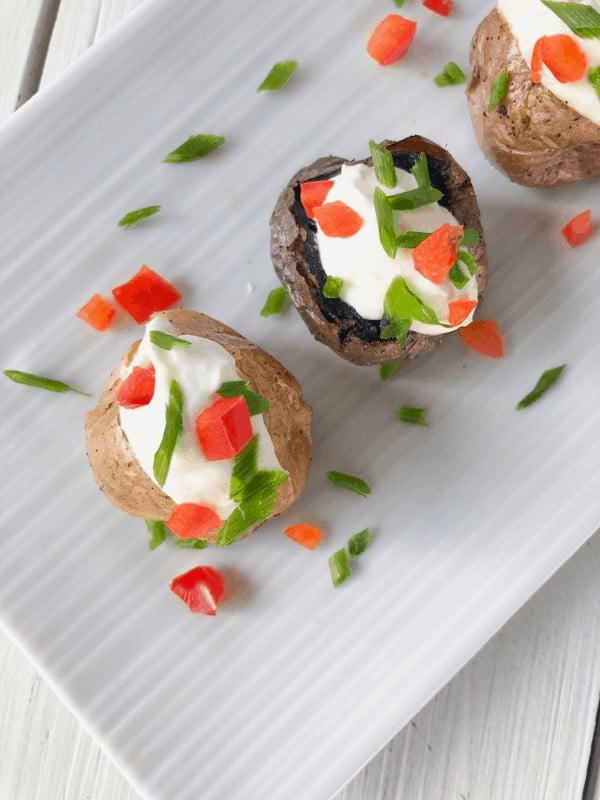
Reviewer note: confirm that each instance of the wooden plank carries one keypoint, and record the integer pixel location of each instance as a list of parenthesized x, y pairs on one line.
[(17, 22)]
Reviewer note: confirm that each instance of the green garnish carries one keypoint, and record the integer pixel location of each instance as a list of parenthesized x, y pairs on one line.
[(383, 164), (157, 533), (397, 329), (414, 198), (133, 217), (457, 276), (259, 497), (28, 379), (420, 171), (498, 90), (349, 482), (245, 466), (256, 404), (167, 342), (451, 75), (467, 259), (276, 302), (594, 79), (332, 288), (339, 567), (471, 238), (172, 432), (399, 3), (190, 544), (411, 416), (358, 543), (583, 20), (411, 239), (278, 76), (194, 148), (545, 382), (387, 371), (402, 303), (385, 221)]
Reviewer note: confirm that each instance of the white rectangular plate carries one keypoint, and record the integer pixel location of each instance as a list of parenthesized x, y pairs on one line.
[(294, 685)]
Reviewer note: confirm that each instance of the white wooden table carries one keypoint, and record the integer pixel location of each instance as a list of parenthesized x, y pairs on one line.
[(518, 723)]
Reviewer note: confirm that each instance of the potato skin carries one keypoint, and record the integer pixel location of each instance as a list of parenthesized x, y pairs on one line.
[(532, 136), (291, 252), (288, 421)]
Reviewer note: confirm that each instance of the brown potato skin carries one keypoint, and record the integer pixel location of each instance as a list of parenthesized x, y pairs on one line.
[(532, 136), (121, 477), (288, 237)]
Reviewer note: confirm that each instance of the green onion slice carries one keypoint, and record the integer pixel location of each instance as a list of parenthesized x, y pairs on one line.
[(167, 342), (547, 379), (339, 567), (582, 19), (197, 146), (387, 371), (420, 171), (451, 75), (414, 198), (402, 303), (349, 482), (332, 288), (278, 76), (133, 217), (157, 533), (172, 432), (256, 403), (358, 543), (411, 416), (411, 239), (498, 90), (276, 302), (29, 379), (471, 237), (385, 221), (383, 164)]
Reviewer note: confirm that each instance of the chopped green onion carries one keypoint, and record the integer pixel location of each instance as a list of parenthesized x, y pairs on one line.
[(245, 467), (457, 276), (498, 90), (420, 171), (471, 237), (383, 164), (195, 147), (411, 416), (167, 342), (276, 302), (256, 404), (582, 19), (411, 239), (387, 371), (29, 379), (190, 544), (385, 221), (545, 382), (467, 259), (259, 498), (332, 288), (358, 543), (157, 533), (399, 3), (414, 198), (133, 217), (339, 567), (402, 303), (451, 75), (397, 329), (172, 432), (594, 79), (278, 76), (349, 482)]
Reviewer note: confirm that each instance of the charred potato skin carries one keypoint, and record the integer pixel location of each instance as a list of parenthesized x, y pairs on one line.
[(288, 421), (532, 136), (296, 261)]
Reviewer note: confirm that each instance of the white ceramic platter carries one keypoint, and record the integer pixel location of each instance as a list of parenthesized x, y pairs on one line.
[(294, 685)]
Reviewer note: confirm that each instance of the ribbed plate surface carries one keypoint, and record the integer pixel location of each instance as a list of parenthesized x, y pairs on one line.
[(294, 685)]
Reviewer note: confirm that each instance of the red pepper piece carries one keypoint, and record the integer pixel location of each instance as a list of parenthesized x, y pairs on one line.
[(193, 521), (443, 7), (483, 336), (563, 57), (97, 312), (391, 39), (314, 194), (579, 229), (537, 62), (201, 589), (138, 388), (436, 255), (224, 429), (306, 535), (144, 294), (459, 310), (338, 220)]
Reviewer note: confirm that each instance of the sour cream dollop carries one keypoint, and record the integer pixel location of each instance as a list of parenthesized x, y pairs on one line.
[(366, 269), (200, 370), (529, 20)]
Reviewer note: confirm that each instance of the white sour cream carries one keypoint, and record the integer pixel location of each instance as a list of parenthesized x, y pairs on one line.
[(200, 369), (363, 264), (529, 20)]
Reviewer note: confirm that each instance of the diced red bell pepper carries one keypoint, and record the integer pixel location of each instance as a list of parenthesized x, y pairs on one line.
[(579, 229), (193, 521), (144, 294), (224, 429), (314, 194), (391, 39), (459, 310), (537, 62), (201, 589), (338, 220), (138, 388), (97, 312), (443, 7), (437, 254), (563, 57), (483, 336), (306, 535)]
